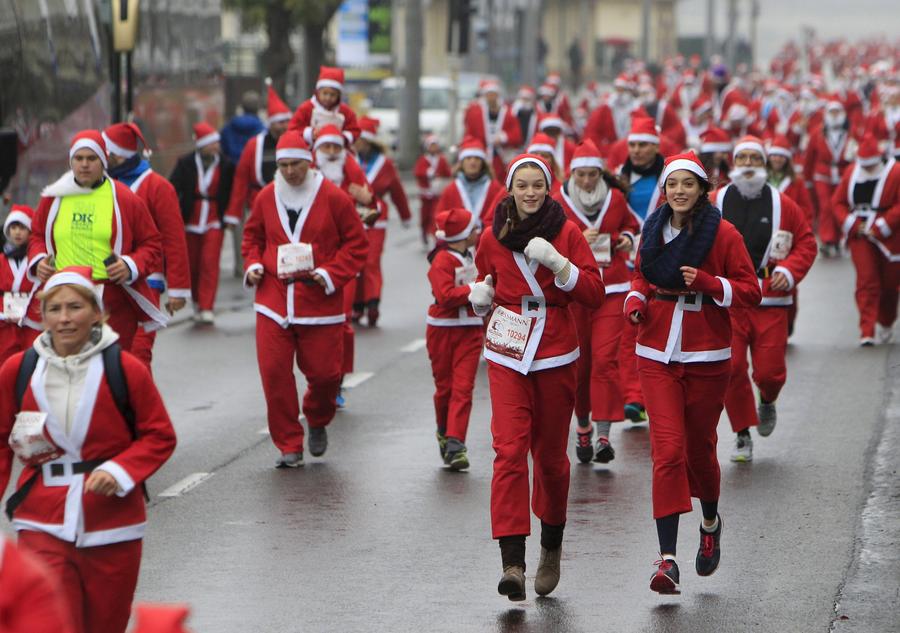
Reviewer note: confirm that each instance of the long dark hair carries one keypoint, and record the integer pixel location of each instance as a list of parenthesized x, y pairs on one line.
[(701, 203)]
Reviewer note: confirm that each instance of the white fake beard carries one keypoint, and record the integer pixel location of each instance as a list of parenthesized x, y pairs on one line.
[(833, 122), (589, 201), (331, 168), (752, 187)]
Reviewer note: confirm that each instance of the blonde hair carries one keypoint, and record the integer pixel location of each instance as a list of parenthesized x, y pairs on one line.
[(85, 293)]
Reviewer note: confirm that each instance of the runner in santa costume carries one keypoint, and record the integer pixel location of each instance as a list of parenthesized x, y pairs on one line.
[(203, 182), (473, 186), (493, 123), (612, 119), (325, 108), (691, 269), (594, 200), (541, 263), (687, 92), (454, 333), (256, 168), (126, 145), (551, 100), (302, 243), (545, 146), (715, 154), (385, 181), (830, 150), (782, 248), (88, 219), (30, 598), (525, 111), (431, 171), (867, 206), (700, 120), (663, 114), (90, 427), (21, 319), (553, 126)]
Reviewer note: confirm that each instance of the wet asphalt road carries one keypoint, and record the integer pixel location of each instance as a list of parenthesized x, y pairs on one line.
[(378, 536)]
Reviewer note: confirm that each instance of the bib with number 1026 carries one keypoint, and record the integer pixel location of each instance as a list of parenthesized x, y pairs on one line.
[(15, 305), (294, 258), (508, 333), (781, 244)]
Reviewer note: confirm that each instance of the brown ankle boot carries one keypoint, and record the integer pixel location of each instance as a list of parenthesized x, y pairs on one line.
[(547, 576), (512, 583)]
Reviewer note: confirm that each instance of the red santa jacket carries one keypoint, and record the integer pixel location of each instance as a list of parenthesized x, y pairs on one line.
[(58, 504), (427, 169), (669, 124), (382, 175), (14, 278), (135, 239), (30, 599), (794, 261), (689, 330), (452, 275), (560, 106), (795, 188), (824, 162), (329, 223), (882, 216), (311, 115), (248, 179), (531, 290), (601, 128), (506, 129), (454, 196), (615, 220), (162, 201), (354, 175)]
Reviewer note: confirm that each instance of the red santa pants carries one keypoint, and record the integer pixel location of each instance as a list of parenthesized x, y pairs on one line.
[(318, 350), (877, 280), (14, 339), (369, 284), (454, 354), (124, 315), (599, 392), (628, 372), (98, 582), (530, 413), (764, 331), (204, 253), (684, 402), (426, 216), (827, 227)]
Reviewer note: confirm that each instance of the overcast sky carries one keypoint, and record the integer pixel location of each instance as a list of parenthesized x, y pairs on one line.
[(780, 20)]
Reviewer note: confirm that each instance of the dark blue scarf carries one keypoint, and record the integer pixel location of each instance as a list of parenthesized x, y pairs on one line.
[(130, 170), (660, 262)]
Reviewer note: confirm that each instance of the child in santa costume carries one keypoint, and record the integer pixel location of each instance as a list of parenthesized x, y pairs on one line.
[(87, 219), (432, 172), (493, 123), (473, 186), (541, 263), (867, 207), (692, 267), (126, 147), (21, 322), (79, 503), (593, 199), (782, 249), (385, 181), (202, 180), (302, 243), (325, 108), (454, 333), (30, 598)]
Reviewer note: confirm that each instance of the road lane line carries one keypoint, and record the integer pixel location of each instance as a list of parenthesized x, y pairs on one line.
[(414, 346), (185, 485), (356, 378)]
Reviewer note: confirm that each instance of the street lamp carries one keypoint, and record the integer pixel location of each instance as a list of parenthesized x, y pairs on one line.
[(124, 36)]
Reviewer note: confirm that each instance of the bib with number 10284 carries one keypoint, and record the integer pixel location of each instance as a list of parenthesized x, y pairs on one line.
[(294, 258), (781, 244), (508, 333)]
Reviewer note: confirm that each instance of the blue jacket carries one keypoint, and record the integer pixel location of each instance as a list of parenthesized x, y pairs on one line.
[(237, 132)]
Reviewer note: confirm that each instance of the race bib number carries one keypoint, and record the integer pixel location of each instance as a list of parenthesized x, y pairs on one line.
[(508, 332), (294, 258), (602, 248), (781, 244), (30, 441), (635, 248), (15, 305), (464, 275), (321, 118)]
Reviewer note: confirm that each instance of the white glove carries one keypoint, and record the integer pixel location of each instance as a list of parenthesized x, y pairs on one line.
[(481, 296), (544, 253)]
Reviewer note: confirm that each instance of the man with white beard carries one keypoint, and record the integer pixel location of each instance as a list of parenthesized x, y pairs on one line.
[(782, 248), (612, 119)]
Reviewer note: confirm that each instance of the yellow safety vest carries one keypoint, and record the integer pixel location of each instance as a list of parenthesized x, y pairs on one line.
[(82, 232)]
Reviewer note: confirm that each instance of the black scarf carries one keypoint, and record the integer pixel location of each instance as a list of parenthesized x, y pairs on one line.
[(655, 168), (16, 252), (660, 262), (546, 222)]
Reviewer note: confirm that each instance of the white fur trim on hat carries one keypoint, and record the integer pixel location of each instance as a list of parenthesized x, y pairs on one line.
[(711, 148), (118, 150), (869, 162), (749, 145), (466, 232), (330, 83), (86, 143), (293, 152), (329, 138), (209, 139), (643, 138), (780, 151), (551, 121), (369, 136), (524, 161), (281, 116), (586, 161), (68, 278), (471, 152), (684, 164), (16, 216), (541, 147)]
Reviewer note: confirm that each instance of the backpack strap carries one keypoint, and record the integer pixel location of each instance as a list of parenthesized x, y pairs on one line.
[(115, 378), (26, 369)]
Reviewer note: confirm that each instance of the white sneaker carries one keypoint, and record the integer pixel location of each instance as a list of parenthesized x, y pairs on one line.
[(883, 335), (743, 450), (866, 341), (207, 316)]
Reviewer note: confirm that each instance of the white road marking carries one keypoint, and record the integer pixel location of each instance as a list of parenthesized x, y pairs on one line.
[(185, 485), (414, 346), (355, 379)]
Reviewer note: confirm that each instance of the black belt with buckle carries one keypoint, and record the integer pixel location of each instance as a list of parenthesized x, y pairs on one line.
[(689, 298), (56, 470), (78, 468)]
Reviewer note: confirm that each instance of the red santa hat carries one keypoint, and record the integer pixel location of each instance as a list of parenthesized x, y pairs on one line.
[(159, 618), (75, 276), (643, 129), (472, 147), (454, 225), (277, 109), (549, 120), (687, 161), (701, 105), (92, 140), (329, 134), (554, 79), (547, 90), (369, 128), (20, 213), (780, 146), (526, 92), (625, 81), (487, 85), (751, 143), (528, 159), (737, 111), (204, 134), (122, 139), (330, 77), (431, 139), (292, 145), (541, 142), (715, 140), (869, 153), (834, 102), (586, 155)]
